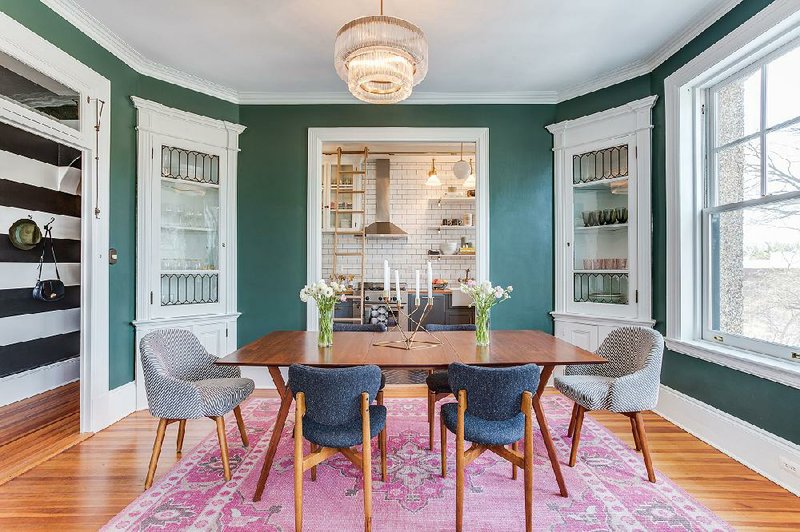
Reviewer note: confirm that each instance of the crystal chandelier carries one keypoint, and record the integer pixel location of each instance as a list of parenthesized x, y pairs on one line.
[(381, 58)]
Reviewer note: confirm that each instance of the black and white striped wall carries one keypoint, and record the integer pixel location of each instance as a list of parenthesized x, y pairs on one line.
[(39, 341)]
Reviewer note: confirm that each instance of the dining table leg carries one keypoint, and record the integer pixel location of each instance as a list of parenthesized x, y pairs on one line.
[(286, 401), (547, 371)]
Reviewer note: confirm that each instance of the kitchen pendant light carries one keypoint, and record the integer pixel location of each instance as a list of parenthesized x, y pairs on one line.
[(433, 177), (469, 182), (462, 168), (381, 58)]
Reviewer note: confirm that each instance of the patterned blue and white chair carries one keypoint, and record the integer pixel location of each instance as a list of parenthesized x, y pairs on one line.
[(627, 384), (182, 382), (333, 411), (438, 385), (495, 408)]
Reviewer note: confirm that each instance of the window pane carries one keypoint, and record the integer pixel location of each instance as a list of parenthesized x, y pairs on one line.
[(738, 112), (755, 272), (739, 172), (783, 160), (783, 78), (34, 90)]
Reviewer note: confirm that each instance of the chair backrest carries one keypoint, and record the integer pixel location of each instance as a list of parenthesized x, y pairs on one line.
[(175, 353), (434, 327), (630, 349), (333, 396), (359, 327), (493, 393)]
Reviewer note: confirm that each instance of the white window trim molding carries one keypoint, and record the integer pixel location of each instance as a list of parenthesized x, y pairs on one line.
[(367, 135), (96, 401), (769, 29)]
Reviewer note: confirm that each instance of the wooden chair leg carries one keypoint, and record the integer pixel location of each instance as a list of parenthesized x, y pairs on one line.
[(514, 467), (571, 429), (366, 461), (576, 438), (636, 443), (382, 439), (527, 408), (314, 448), (298, 461), (151, 470), (443, 445), (181, 433), (237, 411), (648, 463), (431, 416), (223, 446), (462, 407)]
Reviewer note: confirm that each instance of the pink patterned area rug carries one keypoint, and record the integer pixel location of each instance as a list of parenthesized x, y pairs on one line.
[(608, 487)]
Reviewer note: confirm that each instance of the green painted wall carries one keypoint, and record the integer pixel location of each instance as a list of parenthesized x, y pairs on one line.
[(273, 190), (124, 83), (763, 403)]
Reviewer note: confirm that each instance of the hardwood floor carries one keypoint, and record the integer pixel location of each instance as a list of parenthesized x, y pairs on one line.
[(36, 429), (82, 488)]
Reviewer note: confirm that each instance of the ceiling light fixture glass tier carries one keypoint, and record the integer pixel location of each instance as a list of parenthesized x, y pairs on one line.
[(381, 58)]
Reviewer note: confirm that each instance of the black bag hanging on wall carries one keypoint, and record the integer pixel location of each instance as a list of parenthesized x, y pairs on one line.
[(50, 289)]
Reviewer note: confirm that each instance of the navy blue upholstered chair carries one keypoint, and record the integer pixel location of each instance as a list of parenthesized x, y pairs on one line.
[(438, 387), (333, 412), (359, 327), (362, 327), (495, 408)]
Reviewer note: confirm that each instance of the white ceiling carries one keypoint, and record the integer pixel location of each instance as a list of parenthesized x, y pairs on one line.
[(251, 50)]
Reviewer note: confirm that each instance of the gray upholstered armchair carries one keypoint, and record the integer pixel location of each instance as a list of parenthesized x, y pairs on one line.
[(627, 384), (182, 382)]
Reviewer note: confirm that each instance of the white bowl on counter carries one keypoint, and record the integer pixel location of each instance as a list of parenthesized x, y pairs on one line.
[(449, 248)]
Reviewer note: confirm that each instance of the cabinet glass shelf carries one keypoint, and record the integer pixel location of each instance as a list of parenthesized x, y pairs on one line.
[(600, 225), (189, 223)]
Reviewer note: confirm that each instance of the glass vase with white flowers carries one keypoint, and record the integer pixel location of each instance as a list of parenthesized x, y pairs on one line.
[(326, 296), (484, 297)]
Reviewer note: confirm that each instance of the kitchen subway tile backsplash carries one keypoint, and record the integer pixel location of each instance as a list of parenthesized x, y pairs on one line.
[(414, 209)]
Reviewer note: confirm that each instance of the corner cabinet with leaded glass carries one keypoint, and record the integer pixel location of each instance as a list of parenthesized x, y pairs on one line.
[(602, 223), (186, 227)]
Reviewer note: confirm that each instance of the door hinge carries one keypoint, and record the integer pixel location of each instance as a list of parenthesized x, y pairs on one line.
[(152, 153), (703, 109), (637, 296), (636, 151), (226, 332), (151, 298)]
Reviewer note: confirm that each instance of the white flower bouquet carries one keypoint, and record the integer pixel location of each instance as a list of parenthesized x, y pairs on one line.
[(484, 297), (326, 296)]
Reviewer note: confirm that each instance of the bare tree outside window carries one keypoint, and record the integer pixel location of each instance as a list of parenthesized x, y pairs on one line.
[(753, 205)]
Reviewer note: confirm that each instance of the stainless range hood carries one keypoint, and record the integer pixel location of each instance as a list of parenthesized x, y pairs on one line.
[(383, 227)]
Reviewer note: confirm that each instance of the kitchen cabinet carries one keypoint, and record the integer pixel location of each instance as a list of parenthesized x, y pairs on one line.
[(350, 198), (603, 222), (186, 227), (443, 311)]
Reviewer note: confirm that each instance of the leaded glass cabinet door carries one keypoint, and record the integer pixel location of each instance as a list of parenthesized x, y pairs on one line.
[(189, 199), (602, 229)]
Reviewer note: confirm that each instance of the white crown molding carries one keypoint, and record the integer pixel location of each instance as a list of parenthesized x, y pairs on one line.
[(641, 67), (417, 98), (102, 35)]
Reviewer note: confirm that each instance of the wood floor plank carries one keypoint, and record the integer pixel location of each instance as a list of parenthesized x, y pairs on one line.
[(84, 487)]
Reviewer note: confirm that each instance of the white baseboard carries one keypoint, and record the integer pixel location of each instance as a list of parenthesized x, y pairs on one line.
[(761, 451), (115, 405), (35, 381), (261, 377)]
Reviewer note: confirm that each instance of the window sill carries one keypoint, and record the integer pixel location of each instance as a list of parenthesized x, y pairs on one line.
[(777, 370)]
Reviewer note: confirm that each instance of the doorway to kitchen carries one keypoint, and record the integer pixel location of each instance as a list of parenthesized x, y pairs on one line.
[(406, 197)]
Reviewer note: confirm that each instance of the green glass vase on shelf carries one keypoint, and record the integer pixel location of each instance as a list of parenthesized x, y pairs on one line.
[(325, 295), (484, 297)]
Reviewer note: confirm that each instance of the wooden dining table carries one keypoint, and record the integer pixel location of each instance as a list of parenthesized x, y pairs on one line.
[(506, 348)]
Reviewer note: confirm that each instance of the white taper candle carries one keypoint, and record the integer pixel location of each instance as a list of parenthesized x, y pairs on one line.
[(397, 285), (430, 283), (386, 276)]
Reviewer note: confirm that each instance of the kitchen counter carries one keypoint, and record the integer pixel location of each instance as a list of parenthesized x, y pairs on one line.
[(435, 291)]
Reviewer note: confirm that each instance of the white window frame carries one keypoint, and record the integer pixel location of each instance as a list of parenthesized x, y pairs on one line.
[(686, 92), (708, 129)]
